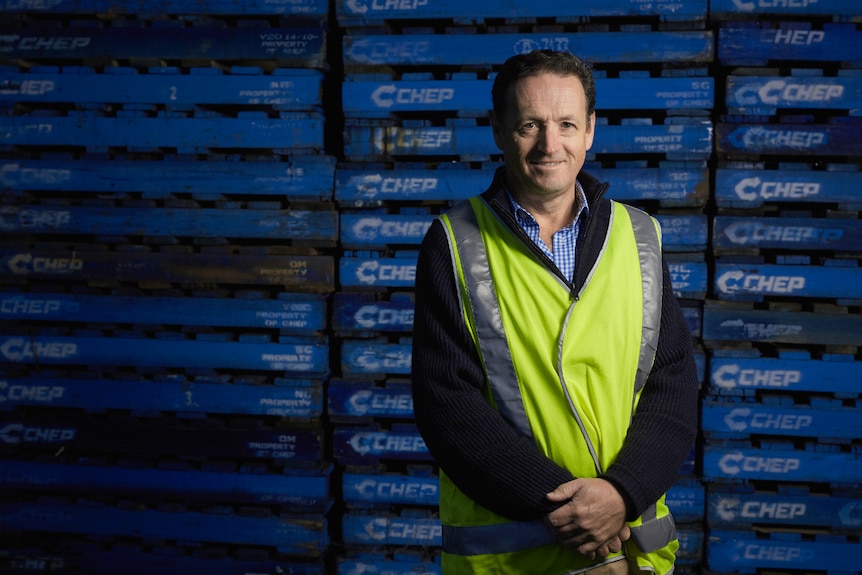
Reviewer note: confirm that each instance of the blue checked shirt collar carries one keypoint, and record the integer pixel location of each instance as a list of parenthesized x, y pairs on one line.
[(565, 241)]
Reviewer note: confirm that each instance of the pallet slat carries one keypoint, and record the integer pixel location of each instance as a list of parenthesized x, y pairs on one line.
[(302, 273), (730, 323), (187, 134), (744, 281), (781, 465), (146, 7), (734, 420), (310, 226), (296, 355), (735, 551), (301, 536), (788, 139), (754, 93), (309, 177), (287, 90), (751, 188), (489, 49), (738, 510), (745, 45), (300, 399), (302, 47), (785, 375), (304, 490), (734, 233), (295, 312), (142, 437), (353, 12)]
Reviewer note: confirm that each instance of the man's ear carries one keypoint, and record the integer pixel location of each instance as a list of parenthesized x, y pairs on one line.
[(497, 129), (592, 133)]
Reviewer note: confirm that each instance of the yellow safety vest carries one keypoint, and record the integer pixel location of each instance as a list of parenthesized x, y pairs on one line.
[(570, 379)]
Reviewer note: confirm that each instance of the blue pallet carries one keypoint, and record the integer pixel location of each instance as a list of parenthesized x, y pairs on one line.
[(473, 97), (725, 8), (751, 188), (784, 375), (379, 564), (310, 226), (297, 273), (299, 535), (135, 561), (185, 134), (676, 141), (353, 12), (692, 47), (369, 444), (301, 490), (295, 355), (741, 233), (358, 399), (369, 186), (362, 358), (742, 420), (744, 509), (137, 436), (288, 398), (309, 177), (753, 281), (756, 46), (754, 94), (380, 530), (301, 47), (161, 7), (292, 89), (789, 139), (290, 312), (359, 313), (743, 551), (731, 323), (780, 465)]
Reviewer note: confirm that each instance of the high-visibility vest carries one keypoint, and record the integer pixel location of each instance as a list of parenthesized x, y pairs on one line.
[(564, 369)]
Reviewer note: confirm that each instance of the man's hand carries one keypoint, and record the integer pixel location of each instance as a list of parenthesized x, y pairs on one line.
[(591, 519)]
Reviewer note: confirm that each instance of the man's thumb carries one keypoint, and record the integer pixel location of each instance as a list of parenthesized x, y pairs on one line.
[(563, 492)]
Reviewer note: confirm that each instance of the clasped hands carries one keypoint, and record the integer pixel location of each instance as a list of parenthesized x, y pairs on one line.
[(591, 517)]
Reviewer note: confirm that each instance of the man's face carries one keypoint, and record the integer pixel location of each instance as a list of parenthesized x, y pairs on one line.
[(545, 134)]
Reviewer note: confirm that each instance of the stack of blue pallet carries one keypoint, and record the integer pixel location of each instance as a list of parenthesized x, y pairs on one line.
[(782, 457), (416, 96), (167, 235)]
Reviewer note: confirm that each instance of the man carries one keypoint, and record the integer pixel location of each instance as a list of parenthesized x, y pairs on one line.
[(553, 376)]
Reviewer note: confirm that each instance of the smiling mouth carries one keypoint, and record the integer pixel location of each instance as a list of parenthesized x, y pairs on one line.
[(547, 164)]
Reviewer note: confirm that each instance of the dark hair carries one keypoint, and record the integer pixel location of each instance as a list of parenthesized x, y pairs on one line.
[(541, 61)]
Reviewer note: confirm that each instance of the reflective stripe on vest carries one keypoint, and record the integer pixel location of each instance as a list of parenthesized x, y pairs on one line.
[(491, 339)]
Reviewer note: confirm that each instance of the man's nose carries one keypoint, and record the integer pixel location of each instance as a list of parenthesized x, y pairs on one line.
[(549, 140)]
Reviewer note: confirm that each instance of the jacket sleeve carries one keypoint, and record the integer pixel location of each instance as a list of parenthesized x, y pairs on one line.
[(469, 439), (664, 426)]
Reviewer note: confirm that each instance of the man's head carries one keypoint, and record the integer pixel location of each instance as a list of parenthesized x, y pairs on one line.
[(542, 61), (543, 121)]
